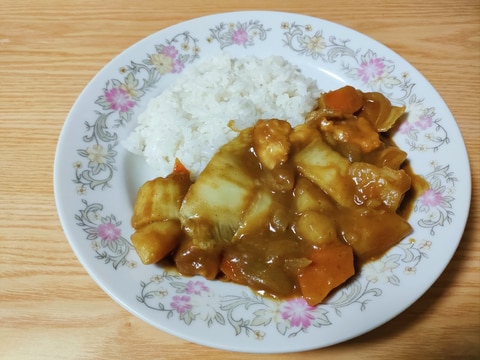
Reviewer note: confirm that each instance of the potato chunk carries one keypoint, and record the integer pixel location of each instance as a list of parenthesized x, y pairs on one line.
[(316, 228), (371, 233), (156, 240), (308, 196), (302, 135), (160, 199)]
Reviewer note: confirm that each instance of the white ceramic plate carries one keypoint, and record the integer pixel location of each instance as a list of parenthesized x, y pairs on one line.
[(96, 181)]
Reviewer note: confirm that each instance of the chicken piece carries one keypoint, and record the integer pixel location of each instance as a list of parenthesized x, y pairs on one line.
[(160, 199), (192, 260), (214, 205), (271, 142), (379, 188), (279, 179), (351, 133)]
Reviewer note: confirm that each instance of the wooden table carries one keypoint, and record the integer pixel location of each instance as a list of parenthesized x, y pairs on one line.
[(50, 49)]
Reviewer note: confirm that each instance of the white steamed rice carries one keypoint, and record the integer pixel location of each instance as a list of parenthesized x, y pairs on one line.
[(189, 121)]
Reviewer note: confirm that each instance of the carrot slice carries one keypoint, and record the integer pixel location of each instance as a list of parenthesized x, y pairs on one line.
[(231, 270), (330, 267), (178, 167), (346, 100)]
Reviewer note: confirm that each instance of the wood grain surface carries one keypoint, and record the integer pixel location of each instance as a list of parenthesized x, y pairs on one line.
[(50, 49)]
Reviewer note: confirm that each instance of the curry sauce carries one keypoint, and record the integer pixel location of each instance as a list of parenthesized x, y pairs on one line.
[(286, 211)]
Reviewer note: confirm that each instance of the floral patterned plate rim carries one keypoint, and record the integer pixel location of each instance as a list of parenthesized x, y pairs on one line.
[(96, 179)]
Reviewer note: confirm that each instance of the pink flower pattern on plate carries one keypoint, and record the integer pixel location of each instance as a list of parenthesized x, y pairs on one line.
[(119, 99), (170, 51), (371, 70), (108, 232), (240, 37), (298, 312), (195, 287), (405, 128), (177, 66), (424, 122), (181, 303), (243, 34), (431, 197)]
